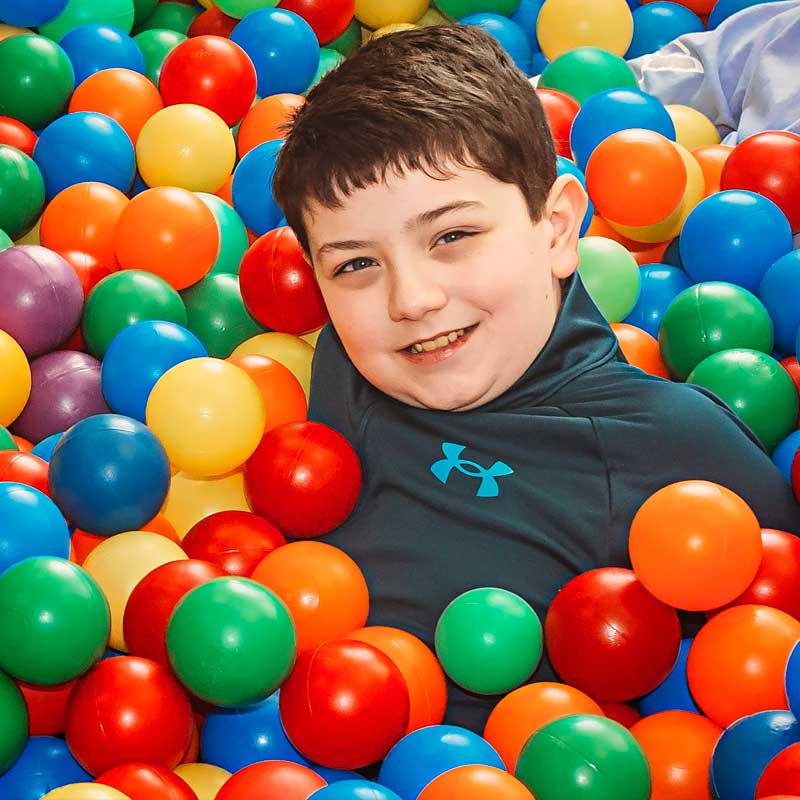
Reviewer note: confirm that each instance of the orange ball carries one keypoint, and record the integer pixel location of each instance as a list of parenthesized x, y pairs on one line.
[(82, 543), (263, 121), (170, 232), (83, 217), (122, 94), (23, 445), (224, 191), (678, 746), (695, 545), (737, 662), (424, 677), (643, 252), (640, 348), (522, 712), (283, 395), (322, 587), (475, 782), (636, 177), (712, 158)]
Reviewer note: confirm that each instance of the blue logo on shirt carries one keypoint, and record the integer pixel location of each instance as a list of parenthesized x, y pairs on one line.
[(452, 460)]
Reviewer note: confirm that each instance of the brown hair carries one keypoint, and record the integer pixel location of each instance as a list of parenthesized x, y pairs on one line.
[(417, 99)]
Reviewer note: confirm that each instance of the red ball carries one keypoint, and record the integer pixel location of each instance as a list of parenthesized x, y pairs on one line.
[(18, 135), (345, 705), (212, 22), (305, 477), (236, 541), (768, 163), (795, 476), (560, 110), (147, 782), (271, 779), (278, 285), (89, 270), (328, 18), (793, 368), (127, 710), (626, 715), (153, 600), (209, 71), (24, 468), (782, 774), (47, 707), (609, 637)]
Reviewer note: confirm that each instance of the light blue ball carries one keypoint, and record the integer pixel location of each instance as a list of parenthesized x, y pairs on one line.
[(526, 16), (565, 167), (354, 790), (94, 47), (251, 178), (660, 285), (511, 36), (657, 24), (44, 449), (46, 763), (779, 291)]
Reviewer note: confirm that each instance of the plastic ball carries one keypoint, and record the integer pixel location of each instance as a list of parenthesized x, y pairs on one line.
[(291, 351), (140, 781), (13, 723), (564, 25), (474, 782), (607, 636), (610, 274), (560, 110), (792, 680), (205, 779), (94, 47), (17, 134), (44, 764), (44, 449), (779, 291), (672, 694), (272, 779), (85, 791), (253, 173), (112, 12), (660, 284), (18, 467), (128, 710), (657, 24), (511, 36), (328, 18), (640, 349), (724, 9), (16, 387), (263, 121), (171, 16), (156, 44), (782, 774), (21, 192), (711, 159), (376, 14), (584, 71), (30, 14), (693, 129), (232, 233), (623, 713), (212, 22)]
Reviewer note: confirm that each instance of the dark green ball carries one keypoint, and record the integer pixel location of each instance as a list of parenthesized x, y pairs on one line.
[(585, 71), (21, 193)]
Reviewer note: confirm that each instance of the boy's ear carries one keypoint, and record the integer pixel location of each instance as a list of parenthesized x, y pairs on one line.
[(565, 210)]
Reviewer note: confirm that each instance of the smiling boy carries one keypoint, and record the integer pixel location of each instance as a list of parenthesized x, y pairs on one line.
[(504, 439)]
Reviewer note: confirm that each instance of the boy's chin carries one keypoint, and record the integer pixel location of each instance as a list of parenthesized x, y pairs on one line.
[(446, 398)]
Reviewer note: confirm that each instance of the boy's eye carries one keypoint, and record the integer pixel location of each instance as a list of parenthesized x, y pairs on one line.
[(355, 265), (454, 236)]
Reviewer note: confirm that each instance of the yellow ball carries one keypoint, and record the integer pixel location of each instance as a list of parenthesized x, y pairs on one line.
[(32, 236), (208, 414), (205, 779), (395, 27), (564, 25), (187, 146), (15, 386), (693, 129), (378, 13), (312, 337), (192, 499), (291, 351), (85, 791), (9, 31), (431, 17), (119, 563)]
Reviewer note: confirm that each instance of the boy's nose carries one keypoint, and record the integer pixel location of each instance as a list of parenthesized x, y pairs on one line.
[(413, 293)]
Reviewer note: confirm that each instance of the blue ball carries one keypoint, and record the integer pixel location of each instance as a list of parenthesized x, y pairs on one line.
[(235, 738), (96, 46), (539, 63), (138, 187), (253, 173), (660, 285), (526, 16), (673, 694), (784, 454), (612, 111), (657, 24), (634, 4), (793, 680), (138, 356), (734, 236), (354, 790), (283, 48), (45, 764), (780, 293), (109, 474), (30, 525), (511, 36), (672, 255), (744, 750), (44, 449), (426, 753), (727, 8), (84, 146), (565, 167), (30, 13)]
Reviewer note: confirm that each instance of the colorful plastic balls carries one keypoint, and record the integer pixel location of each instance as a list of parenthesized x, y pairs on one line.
[(205, 779), (85, 791), (305, 477), (233, 235), (345, 705), (585, 71), (756, 387), (176, 17), (262, 123), (584, 754), (128, 710), (560, 110), (780, 292), (147, 782), (640, 349), (511, 36), (782, 775), (156, 44), (124, 298), (45, 764), (272, 779), (21, 192), (94, 47), (564, 25), (13, 722), (475, 782), (328, 18), (231, 642), (80, 12), (657, 24), (609, 637), (253, 174), (16, 387), (610, 274), (291, 351), (692, 129), (660, 285)]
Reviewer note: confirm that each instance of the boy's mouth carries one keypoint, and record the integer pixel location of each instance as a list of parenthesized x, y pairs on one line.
[(438, 342)]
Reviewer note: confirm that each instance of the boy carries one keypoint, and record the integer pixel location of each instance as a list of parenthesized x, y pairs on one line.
[(504, 439)]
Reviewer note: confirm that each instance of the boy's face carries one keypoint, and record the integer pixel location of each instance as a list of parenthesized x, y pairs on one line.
[(444, 291)]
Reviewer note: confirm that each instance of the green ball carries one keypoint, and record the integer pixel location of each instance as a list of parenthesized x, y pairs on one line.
[(156, 45), (584, 757), (350, 40), (124, 298), (13, 722), (37, 80), (611, 276), (80, 12), (142, 9), (708, 318), (54, 621), (585, 71), (489, 641), (216, 314), (170, 17), (7, 440), (238, 8), (757, 389), (329, 59), (21, 194), (231, 642), (455, 9), (233, 241)]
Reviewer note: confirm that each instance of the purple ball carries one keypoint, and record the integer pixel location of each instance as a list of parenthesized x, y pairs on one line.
[(65, 388), (42, 298)]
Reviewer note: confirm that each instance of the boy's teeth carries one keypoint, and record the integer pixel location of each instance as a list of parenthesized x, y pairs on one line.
[(435, 344)]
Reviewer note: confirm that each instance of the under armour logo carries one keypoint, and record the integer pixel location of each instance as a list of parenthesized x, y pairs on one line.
[(452, 460)]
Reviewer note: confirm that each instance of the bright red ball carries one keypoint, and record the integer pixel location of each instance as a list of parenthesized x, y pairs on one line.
[(17, 134), (278, 285), (209, 71), (154, 599), (47, 707), (271, 779), (560, 110), (345, 705), (212, 22), (24, 468), (623, 713), (327, 18), (89, 270), (305, 477), (236, 541), (782, 774), (127, 710), (147, 782), (609, 637)]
